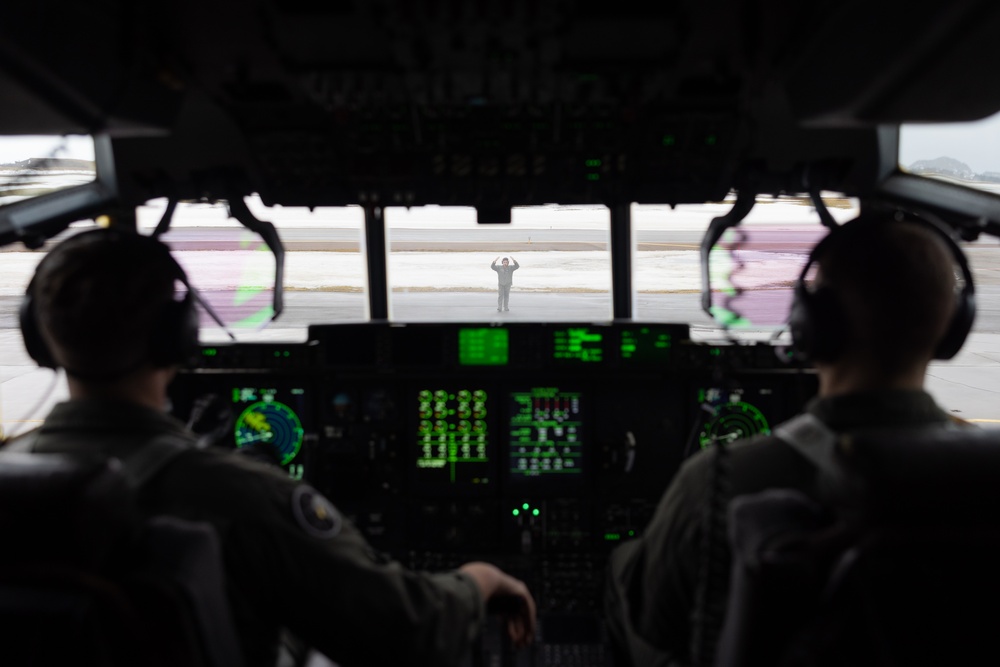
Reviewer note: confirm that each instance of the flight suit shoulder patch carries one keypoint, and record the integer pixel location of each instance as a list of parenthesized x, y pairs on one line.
[(315, 514)]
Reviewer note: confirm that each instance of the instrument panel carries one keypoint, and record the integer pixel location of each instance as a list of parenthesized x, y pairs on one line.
[(538, 447)]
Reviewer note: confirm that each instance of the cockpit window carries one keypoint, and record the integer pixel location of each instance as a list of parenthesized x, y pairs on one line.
[(445, 267), (752, 269), (31, 166), (964, 153), (234, 271), (35, 165)]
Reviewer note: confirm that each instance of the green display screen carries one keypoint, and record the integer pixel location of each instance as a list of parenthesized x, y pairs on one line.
[(483, 347), (578, 344), (546, 433), (732, 414), (645, 344), (268, 420), (452, 444)]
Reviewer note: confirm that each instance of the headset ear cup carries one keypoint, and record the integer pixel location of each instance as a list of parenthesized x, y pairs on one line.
[(187, 338), (34, 342), (829, 325), (958, 328), (176, 339), (817, 324), (800, 324)]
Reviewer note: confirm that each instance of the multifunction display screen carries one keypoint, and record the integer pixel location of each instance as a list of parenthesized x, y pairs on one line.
[(645, 344), (483, 347), (452, 439), (735, 413), (267, 419), (578, 344), (546, 434)]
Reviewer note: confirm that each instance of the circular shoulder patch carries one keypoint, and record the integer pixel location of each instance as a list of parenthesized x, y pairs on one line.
[(317, 515)]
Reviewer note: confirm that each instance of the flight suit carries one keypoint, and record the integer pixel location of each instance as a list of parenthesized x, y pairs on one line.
[(291, 560), (505, 278), (652, 582)]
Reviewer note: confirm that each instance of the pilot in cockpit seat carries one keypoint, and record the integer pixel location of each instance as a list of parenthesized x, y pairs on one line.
[(884, 303), (103, 306)]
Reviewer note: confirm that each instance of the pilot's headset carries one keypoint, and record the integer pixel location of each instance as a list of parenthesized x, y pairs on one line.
[(817, 322), (174, 337)]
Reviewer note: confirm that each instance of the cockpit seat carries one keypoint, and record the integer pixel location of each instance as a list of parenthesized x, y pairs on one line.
[(85, 579), (898, 565)]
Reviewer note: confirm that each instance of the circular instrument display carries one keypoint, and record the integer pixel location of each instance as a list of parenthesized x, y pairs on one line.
[(271, 423), (733, 421)]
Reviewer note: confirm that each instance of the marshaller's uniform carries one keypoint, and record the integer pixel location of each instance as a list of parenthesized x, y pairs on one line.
[(653, 580), (291, 560), (505, 278)]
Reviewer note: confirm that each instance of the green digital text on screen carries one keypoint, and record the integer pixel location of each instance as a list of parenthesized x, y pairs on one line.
[(577, 344), (546, 433), (645, 344), (483, 347)]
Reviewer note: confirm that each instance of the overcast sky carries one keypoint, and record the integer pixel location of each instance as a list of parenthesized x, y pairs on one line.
[(16, 148), (976, 144)]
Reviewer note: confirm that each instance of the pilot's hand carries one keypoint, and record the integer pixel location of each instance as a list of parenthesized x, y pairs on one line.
[(508, 597)]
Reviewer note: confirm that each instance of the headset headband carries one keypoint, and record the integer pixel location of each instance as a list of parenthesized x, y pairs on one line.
[(816, 321), (174, 336)]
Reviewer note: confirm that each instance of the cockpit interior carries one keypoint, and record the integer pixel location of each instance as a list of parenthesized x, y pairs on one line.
[(533, 440)]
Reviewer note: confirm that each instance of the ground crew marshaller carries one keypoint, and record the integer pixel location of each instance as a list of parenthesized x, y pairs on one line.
[(505, 276)]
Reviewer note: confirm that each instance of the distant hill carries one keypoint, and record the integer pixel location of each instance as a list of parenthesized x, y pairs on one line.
[(50, 164), (947, 166), (943, 165)]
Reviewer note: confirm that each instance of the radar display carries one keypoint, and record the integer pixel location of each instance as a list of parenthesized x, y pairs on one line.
[(730, 417), (269, 422)]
